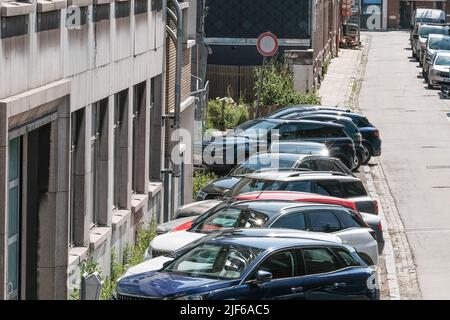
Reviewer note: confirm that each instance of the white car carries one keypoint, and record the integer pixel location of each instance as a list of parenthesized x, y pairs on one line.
[(158, 263), (335, 220)]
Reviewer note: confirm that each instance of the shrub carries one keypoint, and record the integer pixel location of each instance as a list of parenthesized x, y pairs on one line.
[(278, 86), (201, 179), (225, 114)]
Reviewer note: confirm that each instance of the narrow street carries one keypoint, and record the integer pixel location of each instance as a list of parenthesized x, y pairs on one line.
[(415, 127)]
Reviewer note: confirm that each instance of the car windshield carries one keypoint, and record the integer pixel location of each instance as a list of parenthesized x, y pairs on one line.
[(443, 61), (216, 261), (426, 30), (253, 185), (231, 217), (262, 162), (439, 43), (258, 127)]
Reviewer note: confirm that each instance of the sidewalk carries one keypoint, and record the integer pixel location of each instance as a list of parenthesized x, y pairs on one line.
[(338, 85)]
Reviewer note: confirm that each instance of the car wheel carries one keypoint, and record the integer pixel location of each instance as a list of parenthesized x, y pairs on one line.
[(358, 161), (367, 153)]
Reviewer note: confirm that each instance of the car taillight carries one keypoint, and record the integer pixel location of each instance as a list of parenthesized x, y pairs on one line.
[(379, 226), (182, 227), (375, 206), (376, 133)]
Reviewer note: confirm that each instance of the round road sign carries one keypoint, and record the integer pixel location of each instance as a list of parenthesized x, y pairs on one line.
[(267, 44)]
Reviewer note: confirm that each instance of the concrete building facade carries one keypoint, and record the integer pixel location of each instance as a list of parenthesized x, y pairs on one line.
[(82, 136)]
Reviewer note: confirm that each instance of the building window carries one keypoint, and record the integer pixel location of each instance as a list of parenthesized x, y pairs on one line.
[(157, 5), (77, 157), (122, 9), (138, 135), (120, 147), (48, 20), (101, 12), (140, 6), (99, 112), (14, 26), (14, 210)]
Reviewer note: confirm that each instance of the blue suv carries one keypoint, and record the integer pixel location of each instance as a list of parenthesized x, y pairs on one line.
[(256, 265)]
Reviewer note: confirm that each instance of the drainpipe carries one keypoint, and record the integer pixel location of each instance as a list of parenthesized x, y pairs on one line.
[(178, 38)]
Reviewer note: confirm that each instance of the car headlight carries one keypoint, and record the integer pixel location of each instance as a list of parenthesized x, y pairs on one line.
[(191, 297)]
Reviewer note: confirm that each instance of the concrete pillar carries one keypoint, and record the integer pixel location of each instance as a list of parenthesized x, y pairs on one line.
[(3, 198), (53, 214), (105, 165), (143, 142)]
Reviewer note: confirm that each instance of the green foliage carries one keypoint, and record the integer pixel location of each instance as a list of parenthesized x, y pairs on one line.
[(201, 179), (278, 86), (132, 256), (225, 114)]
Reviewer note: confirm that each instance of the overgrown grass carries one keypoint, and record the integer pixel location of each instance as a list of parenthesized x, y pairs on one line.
[(226, 114), (278, 86)]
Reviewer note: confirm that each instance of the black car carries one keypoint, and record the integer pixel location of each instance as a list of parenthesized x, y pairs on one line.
[(324, 183), (223, 153), (370, 134), (350, 128), (270, 161)]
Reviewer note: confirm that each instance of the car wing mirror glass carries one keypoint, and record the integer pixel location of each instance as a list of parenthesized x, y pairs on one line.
[(263, 276)]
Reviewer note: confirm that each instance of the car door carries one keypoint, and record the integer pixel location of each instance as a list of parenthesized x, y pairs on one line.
[(284, 284), (331, 188), (327, 277), (323, 220)]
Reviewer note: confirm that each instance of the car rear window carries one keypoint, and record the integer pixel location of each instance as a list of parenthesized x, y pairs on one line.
[(353, 189), (349, 218)]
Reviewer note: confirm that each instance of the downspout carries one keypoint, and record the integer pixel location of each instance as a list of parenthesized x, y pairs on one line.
[(177, 38), (179, 45)]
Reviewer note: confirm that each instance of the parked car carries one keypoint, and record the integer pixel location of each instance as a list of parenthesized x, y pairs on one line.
[(422, 16), (350, 128), (435, 43), (300, 147), (373, 221), (228, 151), (420, 39), (323, 183), (333, 219), (288, 111), (267, 265), (270, 161), (439, 70), (371, 135)]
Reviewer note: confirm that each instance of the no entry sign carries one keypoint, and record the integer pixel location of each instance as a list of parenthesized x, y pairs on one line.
[(267, 44)]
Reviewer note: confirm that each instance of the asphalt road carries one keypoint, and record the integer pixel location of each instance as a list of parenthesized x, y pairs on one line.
[(415, 128)]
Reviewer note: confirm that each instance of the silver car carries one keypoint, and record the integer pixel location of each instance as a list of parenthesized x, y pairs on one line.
[(435, 42), (439, 70)]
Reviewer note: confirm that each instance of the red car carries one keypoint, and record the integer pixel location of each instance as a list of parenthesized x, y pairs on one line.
[(296, 196)]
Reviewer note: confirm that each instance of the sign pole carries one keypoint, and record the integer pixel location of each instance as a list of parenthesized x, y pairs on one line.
[(260, 86)]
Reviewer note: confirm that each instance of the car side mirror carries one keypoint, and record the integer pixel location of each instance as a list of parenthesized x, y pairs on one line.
[(263, 276)]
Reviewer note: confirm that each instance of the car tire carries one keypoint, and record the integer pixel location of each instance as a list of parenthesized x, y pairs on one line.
[(367, 153), (358, 161)]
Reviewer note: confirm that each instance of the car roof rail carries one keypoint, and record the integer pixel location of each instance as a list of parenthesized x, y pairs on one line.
[(333, 173), (282, 170)]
